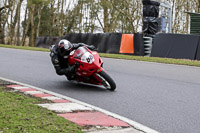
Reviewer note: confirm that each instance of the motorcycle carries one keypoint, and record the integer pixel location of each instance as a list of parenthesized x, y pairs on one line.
[(90, 68)]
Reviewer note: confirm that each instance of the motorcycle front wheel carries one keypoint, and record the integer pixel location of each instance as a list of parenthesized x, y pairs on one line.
[(107, 81)]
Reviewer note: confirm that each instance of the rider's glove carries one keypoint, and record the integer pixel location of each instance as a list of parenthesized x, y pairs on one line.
[(77, 64)]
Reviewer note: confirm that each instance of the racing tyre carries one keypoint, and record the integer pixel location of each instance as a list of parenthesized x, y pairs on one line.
[(107, 81)]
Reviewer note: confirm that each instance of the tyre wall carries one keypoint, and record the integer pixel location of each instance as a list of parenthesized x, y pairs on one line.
[(176, 46), (104, 42)]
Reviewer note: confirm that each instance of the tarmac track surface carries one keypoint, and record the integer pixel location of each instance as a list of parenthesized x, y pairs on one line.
[(163, 97)]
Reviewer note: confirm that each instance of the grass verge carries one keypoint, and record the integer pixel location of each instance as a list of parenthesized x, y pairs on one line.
[(18, 113), (154, 59), (120, 56), (25, 48)]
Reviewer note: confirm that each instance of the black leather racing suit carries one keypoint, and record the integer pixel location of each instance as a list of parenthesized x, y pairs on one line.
[(61, 62)]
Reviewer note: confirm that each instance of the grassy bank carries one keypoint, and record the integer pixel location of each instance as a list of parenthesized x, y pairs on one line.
[(154, 59), (19, 114), (25, 48), (128, 57)]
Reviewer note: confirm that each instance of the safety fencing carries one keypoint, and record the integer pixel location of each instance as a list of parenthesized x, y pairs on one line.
[(177, 46), (104, 42), (164, 45)]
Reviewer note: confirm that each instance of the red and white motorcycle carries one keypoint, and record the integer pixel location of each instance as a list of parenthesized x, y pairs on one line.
[(90, 69)]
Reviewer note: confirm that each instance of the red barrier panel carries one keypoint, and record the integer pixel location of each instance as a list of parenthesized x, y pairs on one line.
[(127, 45)]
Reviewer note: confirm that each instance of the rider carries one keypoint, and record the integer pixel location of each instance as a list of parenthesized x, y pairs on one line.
[(59, 56)]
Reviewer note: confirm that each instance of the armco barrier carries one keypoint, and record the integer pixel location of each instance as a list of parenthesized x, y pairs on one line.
[(176, 46), (104, 42)]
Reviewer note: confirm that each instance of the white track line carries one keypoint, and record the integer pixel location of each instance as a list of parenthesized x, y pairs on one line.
[(136, 125)]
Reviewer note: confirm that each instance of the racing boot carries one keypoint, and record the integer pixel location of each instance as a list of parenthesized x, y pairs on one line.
[(71, 72)]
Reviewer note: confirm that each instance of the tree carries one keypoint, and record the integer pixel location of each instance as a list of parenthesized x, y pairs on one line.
[(18, 12), (58, 17), (2, 22), (25, 25), (52, 16), (34, 7)]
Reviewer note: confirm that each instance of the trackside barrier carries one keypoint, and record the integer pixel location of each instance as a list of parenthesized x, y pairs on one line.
[(46, 42), (178, 46), (147, 45), (104, 42)]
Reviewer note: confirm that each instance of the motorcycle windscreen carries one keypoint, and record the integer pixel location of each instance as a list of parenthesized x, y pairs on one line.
[(79, 53), (84, 55)]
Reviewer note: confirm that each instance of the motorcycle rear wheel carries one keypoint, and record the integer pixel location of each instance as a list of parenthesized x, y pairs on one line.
[(107, 81)]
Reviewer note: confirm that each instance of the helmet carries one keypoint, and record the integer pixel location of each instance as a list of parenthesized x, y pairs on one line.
[(64, 47)]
